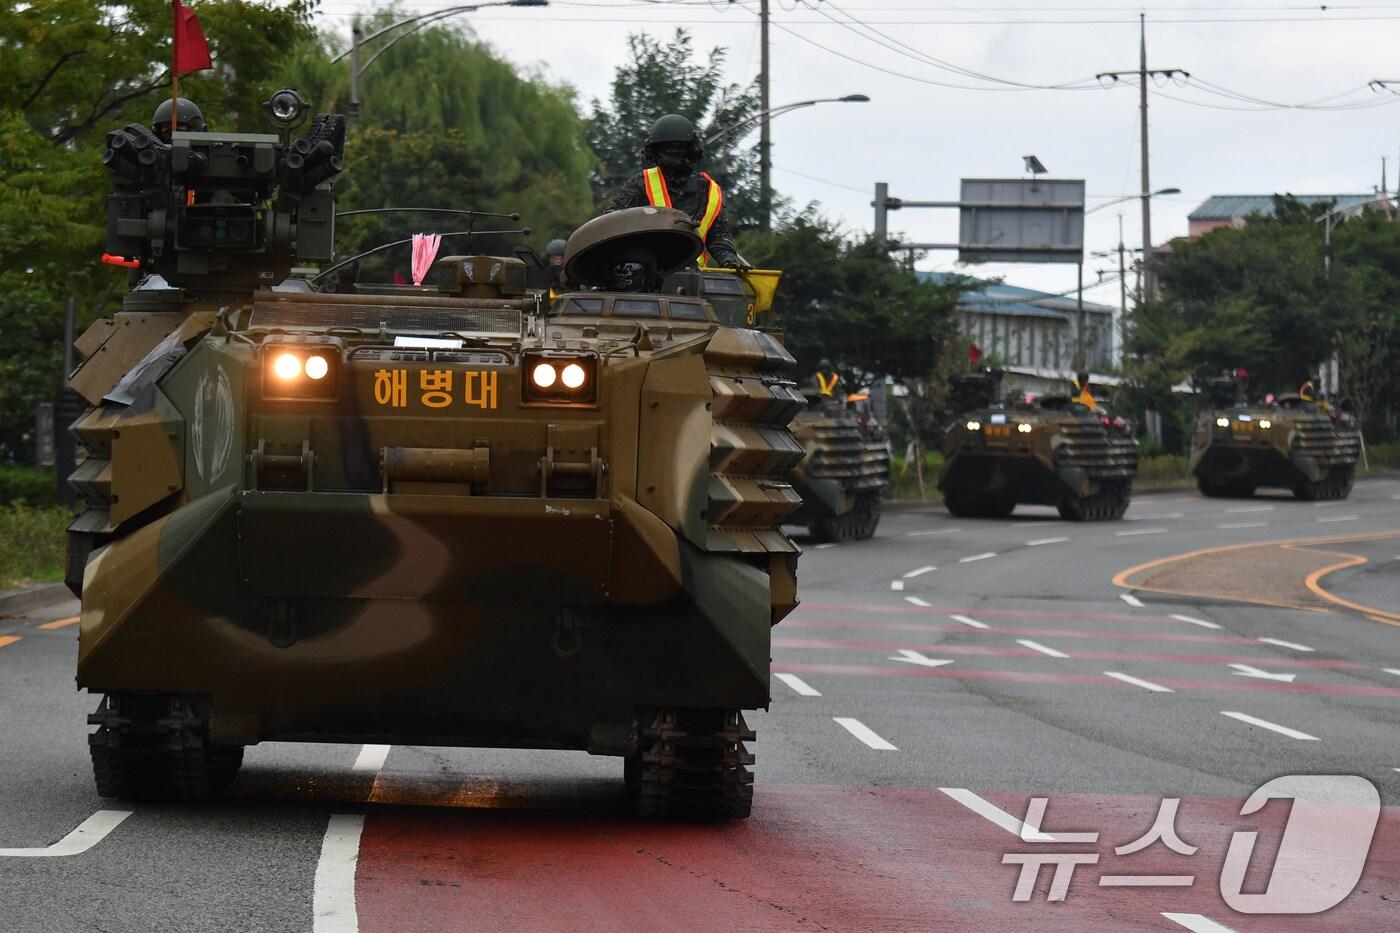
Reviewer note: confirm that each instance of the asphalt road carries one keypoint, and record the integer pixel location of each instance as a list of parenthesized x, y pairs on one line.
[(935, 680)]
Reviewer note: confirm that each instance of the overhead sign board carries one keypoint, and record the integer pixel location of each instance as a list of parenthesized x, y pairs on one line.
[(1021, 220)]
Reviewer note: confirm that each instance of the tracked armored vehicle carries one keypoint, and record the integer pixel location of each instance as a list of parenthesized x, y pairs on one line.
[(1051, 451), (1293, 443), (451, 515), (845, 468)]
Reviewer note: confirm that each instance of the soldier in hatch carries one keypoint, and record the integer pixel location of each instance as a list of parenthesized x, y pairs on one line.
[(188, 119)]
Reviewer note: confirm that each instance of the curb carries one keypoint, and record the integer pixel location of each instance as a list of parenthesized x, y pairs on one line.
[(14, 602)]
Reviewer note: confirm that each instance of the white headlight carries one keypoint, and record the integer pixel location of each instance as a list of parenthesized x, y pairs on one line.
[(1023, 428), (1265, 423), (544, 375), (974, 425), (573, 376), (317, 367), (287, 366), (1222, 422)]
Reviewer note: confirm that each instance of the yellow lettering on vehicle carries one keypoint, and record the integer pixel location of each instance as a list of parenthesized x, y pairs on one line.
[(481, 389), (436, 385), (391, 387)]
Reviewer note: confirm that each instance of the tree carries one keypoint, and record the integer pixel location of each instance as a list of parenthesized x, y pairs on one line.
[(661, 79)]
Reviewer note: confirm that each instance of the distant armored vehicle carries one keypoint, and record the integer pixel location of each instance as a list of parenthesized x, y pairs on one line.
[(1051, 451), (845, 468), (442, 515), (1293, 443)]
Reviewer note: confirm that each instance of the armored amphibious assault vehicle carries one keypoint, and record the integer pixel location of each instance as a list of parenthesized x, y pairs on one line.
[(1298, 444), (454, 514), (845, 468), (1049, 451)]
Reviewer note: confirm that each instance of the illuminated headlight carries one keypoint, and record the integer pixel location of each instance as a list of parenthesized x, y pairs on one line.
[(301, 368), (974, 425), (1222, 422), (1265, 423), (1023, 428), (560, 378)]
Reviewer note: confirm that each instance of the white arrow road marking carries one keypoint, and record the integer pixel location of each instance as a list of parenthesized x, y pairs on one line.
[(1131, 600), (799, 686), (89, 833), (1197, 924), (1271, 726), (896, 585), (863, 732), (919, 572), (1037, 646), (1039, 541), (1293, 645), (1194, 621), (916, 601), (1136, 682), (997, 816), (333, 895), (967, 621), (919, 658), (1249, 670), (983, 556), (371, 758), (1392, 670)]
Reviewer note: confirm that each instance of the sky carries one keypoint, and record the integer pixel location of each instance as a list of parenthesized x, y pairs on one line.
[(1277, 99)]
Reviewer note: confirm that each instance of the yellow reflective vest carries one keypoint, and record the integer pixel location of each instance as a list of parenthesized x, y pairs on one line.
[(659, 196)]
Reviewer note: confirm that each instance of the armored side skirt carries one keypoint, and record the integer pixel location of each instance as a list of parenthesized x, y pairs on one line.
[(1020, 478), (1254, 465), (355, 617)]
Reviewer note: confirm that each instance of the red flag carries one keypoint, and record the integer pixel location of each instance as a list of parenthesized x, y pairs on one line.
[(191, 48), (974, 353)]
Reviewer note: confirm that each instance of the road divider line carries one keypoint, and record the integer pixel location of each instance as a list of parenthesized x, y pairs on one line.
[(916, 601), (1339, 518), (1138, 682), (1140, 531), (1039, 541), (968, 621), (1194, 621), (1230, 526), (1291, 645), (88, 833), (1242, 509), (925, 534), (1327, 505), (1131, 600), (997, 816), (1043, 649), (920, 571), (798, 685), (1271, 726), (1153, 518), (863, 732), (972, 557), (371, 757), (1196, 923), (333, 894), (8, 640), (59, 623)]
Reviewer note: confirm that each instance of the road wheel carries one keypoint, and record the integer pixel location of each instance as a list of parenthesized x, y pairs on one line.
[(868, 507), (956, 505), (693, 765), (1071, 509)]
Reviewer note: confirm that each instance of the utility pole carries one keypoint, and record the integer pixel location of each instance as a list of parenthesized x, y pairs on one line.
[(356, 35), (765, 139), (1122, 295), (1143, 74)]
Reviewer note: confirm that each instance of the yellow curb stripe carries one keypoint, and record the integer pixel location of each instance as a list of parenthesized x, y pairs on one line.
[(59, 623), (8, 640), (1352, 560)]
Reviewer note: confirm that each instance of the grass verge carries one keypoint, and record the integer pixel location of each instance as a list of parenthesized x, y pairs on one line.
[(31, 544)]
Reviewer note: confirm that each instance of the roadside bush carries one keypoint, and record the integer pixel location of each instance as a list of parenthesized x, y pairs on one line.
[(904, 480), (31, 544), (1384, 456), (28, 485), (1161, 470)]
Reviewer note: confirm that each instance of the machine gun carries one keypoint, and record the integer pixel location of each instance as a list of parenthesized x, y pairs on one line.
[(225, 211)]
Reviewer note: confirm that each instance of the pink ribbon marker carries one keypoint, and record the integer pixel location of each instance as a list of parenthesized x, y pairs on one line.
[(425, 249)]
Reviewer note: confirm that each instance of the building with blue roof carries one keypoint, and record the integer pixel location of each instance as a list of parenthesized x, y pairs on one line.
[(1234, 210)]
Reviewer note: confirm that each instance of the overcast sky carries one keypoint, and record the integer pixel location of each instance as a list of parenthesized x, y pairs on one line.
[(921, 136)]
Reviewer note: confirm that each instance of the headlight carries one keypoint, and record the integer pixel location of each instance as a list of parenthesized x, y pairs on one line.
[(974, 425), (1222, 422), (559, 378), (1023, 428), (301, 367), (1265, 423)]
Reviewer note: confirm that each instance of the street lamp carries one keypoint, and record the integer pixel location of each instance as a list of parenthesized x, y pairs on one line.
[(1132, 197), (414, 23), (1122, 262), (749, 121)]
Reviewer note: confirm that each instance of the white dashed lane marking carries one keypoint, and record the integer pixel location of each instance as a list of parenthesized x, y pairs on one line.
[(371, 758), (863, 732), (333, 892), (996, 816), (916, 601), (88, 833), (1339, 518), (798, 685), (1153, 518), (823, 547), (1271, 726), (967, 621), (1291, 645), (972, 557), (1140, 531), (1241, 509), (1227, 526), (925, 534), (919, 572), (1194, 621), (1131, 600), (1037, 646), (1392, 670), (896, 585), (910, 656), (1137, 682), (1039, 541)]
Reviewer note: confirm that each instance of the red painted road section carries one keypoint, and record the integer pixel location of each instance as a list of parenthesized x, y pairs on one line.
[(819, 858), (804, 622), (840, 608)]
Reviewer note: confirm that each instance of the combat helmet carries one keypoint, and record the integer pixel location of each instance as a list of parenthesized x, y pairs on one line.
[(674, 128), (188, 118)]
